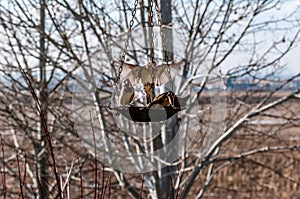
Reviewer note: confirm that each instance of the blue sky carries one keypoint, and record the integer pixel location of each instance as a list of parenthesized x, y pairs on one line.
[(292, 59)]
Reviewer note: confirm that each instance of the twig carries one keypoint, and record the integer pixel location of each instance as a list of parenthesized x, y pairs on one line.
[(45, 129), (81, 187), (180, 175), (98, 188), (109, 182), (3, 176), (19, 173), (95, 160), (105, 187), (24, 178), (141, 190), (172, 188), (68, 176), (256, 151), (102, 189)]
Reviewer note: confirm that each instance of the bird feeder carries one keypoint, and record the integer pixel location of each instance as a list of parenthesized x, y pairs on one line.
[(156, 109)]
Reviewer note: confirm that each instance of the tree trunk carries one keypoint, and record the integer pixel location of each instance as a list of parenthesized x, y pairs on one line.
[(170, 128), (41, 154)]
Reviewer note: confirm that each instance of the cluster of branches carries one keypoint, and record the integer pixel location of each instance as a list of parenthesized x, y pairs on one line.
[(59, 42)]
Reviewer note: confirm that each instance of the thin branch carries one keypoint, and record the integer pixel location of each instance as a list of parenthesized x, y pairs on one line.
[(45, 130), (95, 159), (3, 175)]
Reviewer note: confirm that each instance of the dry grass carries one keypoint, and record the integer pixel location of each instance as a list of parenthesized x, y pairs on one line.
[(267, 174)]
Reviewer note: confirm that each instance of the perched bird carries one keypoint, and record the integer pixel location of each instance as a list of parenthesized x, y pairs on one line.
[(149, 91), (149, 71), (162, 100), (168, 99), (126, 93)]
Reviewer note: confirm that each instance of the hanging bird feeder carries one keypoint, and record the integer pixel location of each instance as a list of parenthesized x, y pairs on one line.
[(158, 108)]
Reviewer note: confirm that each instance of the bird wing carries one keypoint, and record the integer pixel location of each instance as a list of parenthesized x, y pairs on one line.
[(130, 71), (129, 75), (162, 74), (132, 94), (135, 72)]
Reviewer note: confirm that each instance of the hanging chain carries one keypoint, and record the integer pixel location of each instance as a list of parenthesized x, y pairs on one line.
[(126, 43), (162, 35), (117, 79), (151, 34), (151, 40)]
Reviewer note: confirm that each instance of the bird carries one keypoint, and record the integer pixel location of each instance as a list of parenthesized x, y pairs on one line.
[(126, 93), (149, 91), (151, 72), (163, 100), (168, 99)]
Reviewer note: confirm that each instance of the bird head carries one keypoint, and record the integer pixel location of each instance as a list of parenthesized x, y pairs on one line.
[(126, 83), (150, 64), (171, 94)]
